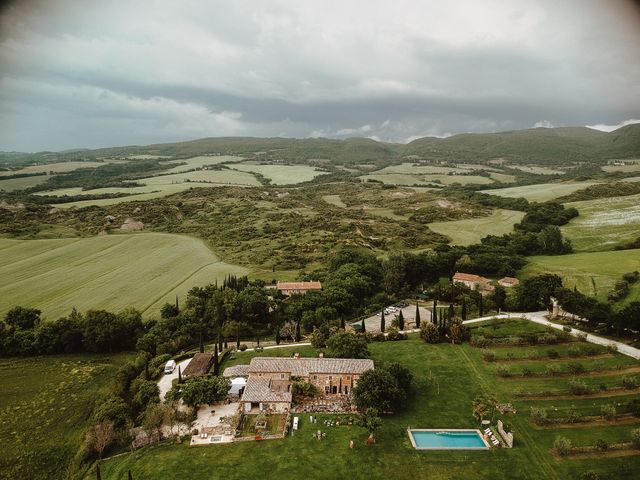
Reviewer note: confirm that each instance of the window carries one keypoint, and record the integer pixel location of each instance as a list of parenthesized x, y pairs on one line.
[(330, 377), (315, 377), (282, 376), (348, 377)]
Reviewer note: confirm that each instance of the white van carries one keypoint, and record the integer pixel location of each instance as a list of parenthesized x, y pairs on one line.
[(170, 366)]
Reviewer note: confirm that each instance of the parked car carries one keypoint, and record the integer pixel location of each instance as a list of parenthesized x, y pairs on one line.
[(170, 366)]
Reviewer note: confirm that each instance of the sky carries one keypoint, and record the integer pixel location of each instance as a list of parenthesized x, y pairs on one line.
[(92, 73)]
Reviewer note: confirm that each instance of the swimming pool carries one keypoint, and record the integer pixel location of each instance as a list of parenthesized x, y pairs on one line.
[(455, 439)]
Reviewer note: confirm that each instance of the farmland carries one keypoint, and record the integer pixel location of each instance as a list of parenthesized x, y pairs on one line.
[(56, 167), (46, 408), (604, 222), (471, 230), (592, 273), (110, 272), (541, 192), (12, 184), (425, 179), (281, 174), (447, 378)]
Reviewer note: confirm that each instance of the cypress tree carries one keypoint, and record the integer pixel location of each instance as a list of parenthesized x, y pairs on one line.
[(463, 310), (216, 367), (277, 336), (382, 321), (342, 326), (400, 321), (480, 306), (363, 327), (237, 336), (177, 306), (179, 374), (298, 334), (201, 341), (417, 316), (452, 311)]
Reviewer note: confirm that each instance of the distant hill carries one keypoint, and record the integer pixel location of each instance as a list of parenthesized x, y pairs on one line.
[(551, 146), (537, 145)]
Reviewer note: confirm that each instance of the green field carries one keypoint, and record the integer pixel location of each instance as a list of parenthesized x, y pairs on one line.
[(540, 170), (471, 230), (446, 380), (12, 184), (541, 192), (282, 174), (158, 186), (592, 273), (45, 406), (334, 200), (417, 169), (57, 167), (425, 179), (111, 272), (604, 222), (201, 161)]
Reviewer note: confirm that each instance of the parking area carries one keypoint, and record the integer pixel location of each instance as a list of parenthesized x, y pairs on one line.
[(372, 324)]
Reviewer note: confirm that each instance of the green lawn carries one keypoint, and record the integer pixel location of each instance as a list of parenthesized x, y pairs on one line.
[(604, 222), (45, 406), (592, 273), (471, 230), (112, 272), (447, 379)]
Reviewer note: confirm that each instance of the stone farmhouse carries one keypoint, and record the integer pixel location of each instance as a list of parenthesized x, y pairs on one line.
[(289, 288), (269, 379), (474, 282)]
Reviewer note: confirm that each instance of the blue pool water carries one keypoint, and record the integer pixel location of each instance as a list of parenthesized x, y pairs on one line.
[(447, 439)]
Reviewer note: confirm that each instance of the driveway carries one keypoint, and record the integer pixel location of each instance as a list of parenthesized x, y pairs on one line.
[(164, 385)]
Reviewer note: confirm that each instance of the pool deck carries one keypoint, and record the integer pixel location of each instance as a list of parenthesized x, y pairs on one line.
[(468, 430)]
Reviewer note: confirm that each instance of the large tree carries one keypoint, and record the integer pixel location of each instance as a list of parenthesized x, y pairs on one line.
[(204, 390), (347, 345), (378, 389)]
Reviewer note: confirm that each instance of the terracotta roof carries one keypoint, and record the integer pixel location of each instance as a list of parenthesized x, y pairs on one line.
[(470, 277), (299, 286), (509, 280), (259, 390), (199, 364), (236, 371), (302, 367)]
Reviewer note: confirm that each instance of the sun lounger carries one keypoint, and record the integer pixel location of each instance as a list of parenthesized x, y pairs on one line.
[(495, 441), (487, 431)]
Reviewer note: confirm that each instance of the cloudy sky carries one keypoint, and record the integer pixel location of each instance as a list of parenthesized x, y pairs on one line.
[(89, 73)]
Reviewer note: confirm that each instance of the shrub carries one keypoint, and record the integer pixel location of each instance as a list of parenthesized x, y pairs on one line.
[(574, 351), (527, 372), (582, 337), (578, 387), (517, 340), (532, 339), (510, 356), (566, 328), (562, 446), (243, 347), (608, 412), (318, 338), (635, 438), (612, 348), (575, 368), (573, 416), (548, 339), (429, 332), (552, 353), (539, 416), (590, 351), (480, 341), (602, 445), (634, 407), (629, 381), (489, 355), (347, 345), (599, 365), (503, 371), (603, 387), (394, 335), (553, 369)]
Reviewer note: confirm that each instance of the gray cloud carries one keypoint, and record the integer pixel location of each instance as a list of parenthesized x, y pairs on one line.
[(79, 73)]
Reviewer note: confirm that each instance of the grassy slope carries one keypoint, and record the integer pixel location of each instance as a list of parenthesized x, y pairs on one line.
[(282, 174), (469, 231), (111, 272), (541, 192), (586, 269), (45, 405), (461, 376), (604, 222)]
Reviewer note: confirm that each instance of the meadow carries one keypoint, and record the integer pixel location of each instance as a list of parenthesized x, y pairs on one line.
[(13, 184), (200, 161), (471, 230), (281, 174), (110, 272), (447, 378), (541, 192), (539, 170), (45, 408), (56, 167), (425, 179), (593, 273), (604, 223)]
